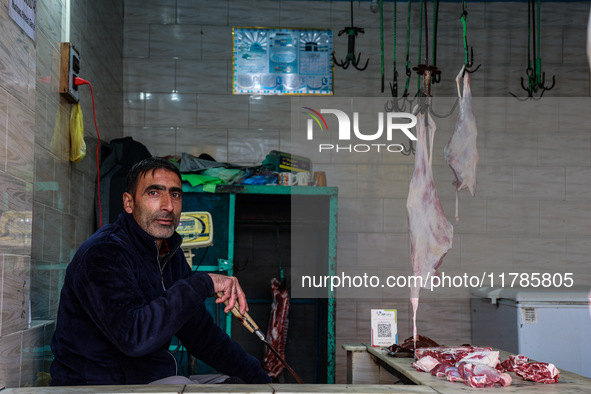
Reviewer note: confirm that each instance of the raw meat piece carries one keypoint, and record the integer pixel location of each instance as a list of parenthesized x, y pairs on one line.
[(409, 345), (511, 362), (466, 370), (486, 357), (439, 369), (425, 364), (453, 375), (492, 375), (451, 354), (460, 152), (277, 332), (482, 375), (431, 234), (478, 381), (538, 372), (505, 380)]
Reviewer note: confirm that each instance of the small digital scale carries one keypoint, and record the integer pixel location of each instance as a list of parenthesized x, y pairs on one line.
[(196, 228)]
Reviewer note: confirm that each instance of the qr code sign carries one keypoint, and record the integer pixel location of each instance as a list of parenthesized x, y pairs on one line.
[(384, 330)]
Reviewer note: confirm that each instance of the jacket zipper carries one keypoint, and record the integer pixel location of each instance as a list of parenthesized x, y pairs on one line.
[(161, 268), (168, 257), (176, 366)]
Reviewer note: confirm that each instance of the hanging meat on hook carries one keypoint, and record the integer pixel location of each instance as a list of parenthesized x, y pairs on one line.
[(431, 234), (277, 332), (460, 152)]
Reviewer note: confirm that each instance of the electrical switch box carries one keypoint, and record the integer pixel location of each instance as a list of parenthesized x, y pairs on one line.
[(69, 70)]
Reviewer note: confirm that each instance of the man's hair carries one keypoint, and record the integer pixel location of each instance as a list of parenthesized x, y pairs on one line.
[(143, 167)]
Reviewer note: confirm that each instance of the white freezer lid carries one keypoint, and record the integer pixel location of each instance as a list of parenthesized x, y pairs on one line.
[(532, 294)]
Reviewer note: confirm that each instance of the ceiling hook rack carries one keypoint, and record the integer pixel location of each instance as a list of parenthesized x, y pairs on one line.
[(536, 78), (351, 58)]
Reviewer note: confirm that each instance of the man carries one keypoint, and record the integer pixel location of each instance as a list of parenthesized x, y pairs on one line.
[(129, 290)]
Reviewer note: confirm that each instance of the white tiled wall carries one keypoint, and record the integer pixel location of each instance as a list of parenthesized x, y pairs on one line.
[(46, 209), (531, 210)]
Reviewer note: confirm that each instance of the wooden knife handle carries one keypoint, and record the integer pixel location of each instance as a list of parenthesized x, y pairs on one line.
[(245, 319)]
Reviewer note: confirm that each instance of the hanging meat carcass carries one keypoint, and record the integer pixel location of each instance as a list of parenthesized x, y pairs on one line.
[(460, 152), (277, 332), (431, 234)]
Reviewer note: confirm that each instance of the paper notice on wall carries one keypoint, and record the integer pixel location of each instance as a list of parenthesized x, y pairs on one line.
[(384, 331), (24, 13)]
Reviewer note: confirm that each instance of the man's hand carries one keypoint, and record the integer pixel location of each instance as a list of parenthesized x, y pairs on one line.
[(232, 292)]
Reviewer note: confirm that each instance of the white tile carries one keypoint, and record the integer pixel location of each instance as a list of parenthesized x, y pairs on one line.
[(20, 137), (511, 148), (148, 75), (346, 250), (178, 41), (221, 111), (214, 142), (247, 146), (133, 109), (513, 217), (240, 13), (578, 183), (539, 254), (269, 111), (304, 14), (539, 183), (342, 176), (576, 259), (160, 141), (217, 43), (573, 114), (501, 80), (565, 217), (382, 250), (380, 181), (395, 215), (472, 214), (200, 76), (136, 41), (149, 11), (361, 215), (202, 12), (171, 109), (560, 149), (495, 181), (486, 253), (532, 117)]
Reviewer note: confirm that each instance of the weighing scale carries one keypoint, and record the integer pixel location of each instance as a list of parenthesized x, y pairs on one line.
[(196, 228)]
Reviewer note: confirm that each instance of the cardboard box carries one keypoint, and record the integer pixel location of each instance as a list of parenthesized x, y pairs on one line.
[(384, 330)]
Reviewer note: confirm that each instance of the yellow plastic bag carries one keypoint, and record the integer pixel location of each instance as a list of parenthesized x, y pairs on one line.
[(77, 144)]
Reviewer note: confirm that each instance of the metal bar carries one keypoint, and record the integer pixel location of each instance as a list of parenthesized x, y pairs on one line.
[(231, 214), (332, 261)]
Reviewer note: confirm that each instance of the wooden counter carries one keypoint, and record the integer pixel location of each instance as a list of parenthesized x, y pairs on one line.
[(229, 388), (400, 368)]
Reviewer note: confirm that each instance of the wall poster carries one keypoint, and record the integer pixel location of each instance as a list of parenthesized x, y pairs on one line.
[(277, 61)]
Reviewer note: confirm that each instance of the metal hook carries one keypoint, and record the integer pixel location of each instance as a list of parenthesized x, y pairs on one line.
[(467, 63), (351, 58), (471, 63), (543, 82), (534, 83)]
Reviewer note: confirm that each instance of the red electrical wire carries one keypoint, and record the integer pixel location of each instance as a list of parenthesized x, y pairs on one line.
[(77, 82)]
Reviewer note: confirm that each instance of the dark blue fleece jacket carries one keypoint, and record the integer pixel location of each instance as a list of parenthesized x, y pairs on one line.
[(119, 310)]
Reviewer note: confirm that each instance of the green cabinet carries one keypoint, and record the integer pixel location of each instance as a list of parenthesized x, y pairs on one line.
[(252, 240)]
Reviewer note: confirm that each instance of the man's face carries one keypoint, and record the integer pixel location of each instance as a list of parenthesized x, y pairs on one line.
[(157, 203)]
